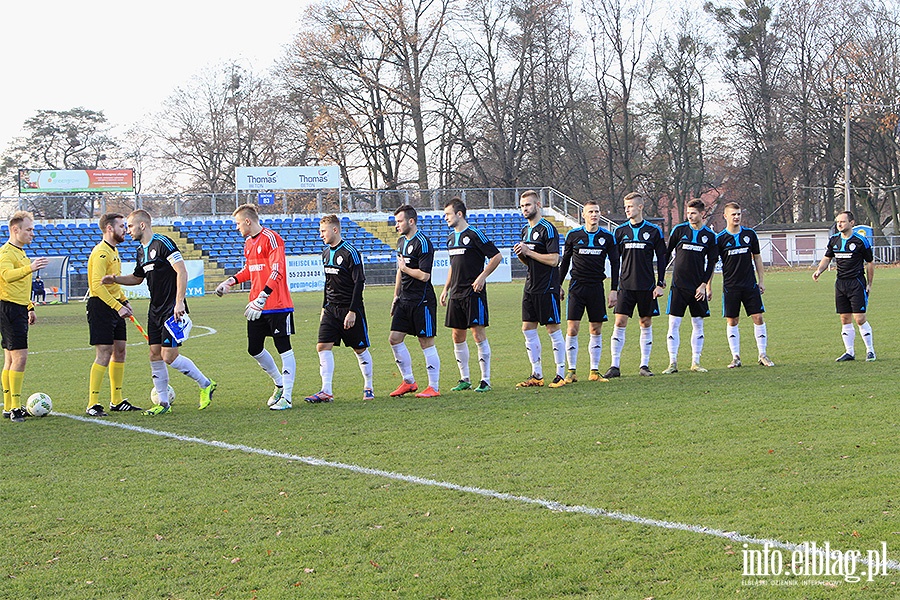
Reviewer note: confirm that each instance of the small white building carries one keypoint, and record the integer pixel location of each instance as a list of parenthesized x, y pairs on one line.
[(793, 244)]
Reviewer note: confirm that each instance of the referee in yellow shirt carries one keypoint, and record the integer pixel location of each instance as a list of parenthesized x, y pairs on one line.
[(107, 309), (16, 309)]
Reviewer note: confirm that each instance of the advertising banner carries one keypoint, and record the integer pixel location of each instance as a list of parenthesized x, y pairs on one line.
[(288, 178), (59, 180), (195, 284), (305, 273)]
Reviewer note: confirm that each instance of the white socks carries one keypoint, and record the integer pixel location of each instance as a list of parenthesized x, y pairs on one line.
[(616, 343), (572, 351), (759, 331), (646, 345), (673, 338), (461, 351), (267, 363), (187, 366), (326, 370), (533, 348), (484, 360), (365, 367), (734, 339), (596, 347), (848, 336), (160, 374), (404, 361), (559, 351), (696, 339), (865, 330), (433, 365), (288, 368)]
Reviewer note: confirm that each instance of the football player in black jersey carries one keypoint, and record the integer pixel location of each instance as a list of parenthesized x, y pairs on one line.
[(414, 308), (853, 254), (694, 247), (539, 251), (465, 294), (160, 262), (587, 250), (738, 247), (641, 247), (343, 316)]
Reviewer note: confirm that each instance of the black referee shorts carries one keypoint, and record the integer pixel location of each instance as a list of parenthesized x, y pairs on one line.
[(13, 325), (105, 324)]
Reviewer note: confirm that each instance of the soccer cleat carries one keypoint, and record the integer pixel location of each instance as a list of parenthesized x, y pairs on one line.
[(96, 411), (557, 382), (735, 362), (6, 414), (276, 395), (428, 392), (206, 394), (159, 409), (570, 376), (282, 404), (698, 369), (484, 386), (405, 388), (645, 371), (462, 385), (846, 356), (368, 394), (124, 406), (596, 376), (532, 381), (612, 372), (673, 368), (765, 361), (870, 357), (319, 397), (17, 415)]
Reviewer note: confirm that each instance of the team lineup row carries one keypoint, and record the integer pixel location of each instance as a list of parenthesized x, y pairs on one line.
[(636, 254)]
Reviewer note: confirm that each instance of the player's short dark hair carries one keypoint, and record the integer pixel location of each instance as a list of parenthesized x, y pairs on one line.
[(528, 193), (635, 196), (409, 212), (108, 219), (141, 215), (849, 214), (733, 205), (331, 220), (19, 216), (591, 203), (249, 211), (697, 203), (458, 205)]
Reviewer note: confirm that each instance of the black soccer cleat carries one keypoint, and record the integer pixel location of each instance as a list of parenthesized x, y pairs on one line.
[(645, 371), (612, 372), (96, 411), (17, 415), (845, 357), (123, 406)]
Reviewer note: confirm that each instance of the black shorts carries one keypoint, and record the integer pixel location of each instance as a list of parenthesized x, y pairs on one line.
[(588, 298), (331, 328), (541, 308), (415, 318), (732, 300), (273, 324), (104, 323), (13, 325), (646, 304), (467, 312), (156, 328), (680, 300), (850, 296)]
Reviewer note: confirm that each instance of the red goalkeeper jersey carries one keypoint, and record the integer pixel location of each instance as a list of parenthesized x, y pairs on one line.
[(265, 266)]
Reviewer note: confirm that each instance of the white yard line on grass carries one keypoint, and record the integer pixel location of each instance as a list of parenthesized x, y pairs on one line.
[(209, 331), (734, 536)]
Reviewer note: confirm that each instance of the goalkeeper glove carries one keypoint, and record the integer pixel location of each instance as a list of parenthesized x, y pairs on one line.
[(225, 286), (255, 307)]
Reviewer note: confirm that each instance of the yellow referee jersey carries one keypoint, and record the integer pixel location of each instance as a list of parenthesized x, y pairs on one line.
[(104, 260), (15, 275)]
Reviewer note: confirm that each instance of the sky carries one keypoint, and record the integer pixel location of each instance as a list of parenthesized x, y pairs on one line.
[(125, 59)]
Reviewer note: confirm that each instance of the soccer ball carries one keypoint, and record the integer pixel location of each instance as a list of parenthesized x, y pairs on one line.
[(39, 405), (154, 397)]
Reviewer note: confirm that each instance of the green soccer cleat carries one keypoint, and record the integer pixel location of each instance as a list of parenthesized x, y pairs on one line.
[(159, 409), (484, 386), (276, 396), (462, 385), (570, 376), (206, 394)]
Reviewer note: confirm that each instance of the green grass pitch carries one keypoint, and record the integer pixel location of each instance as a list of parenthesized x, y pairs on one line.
[(805, 451)]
